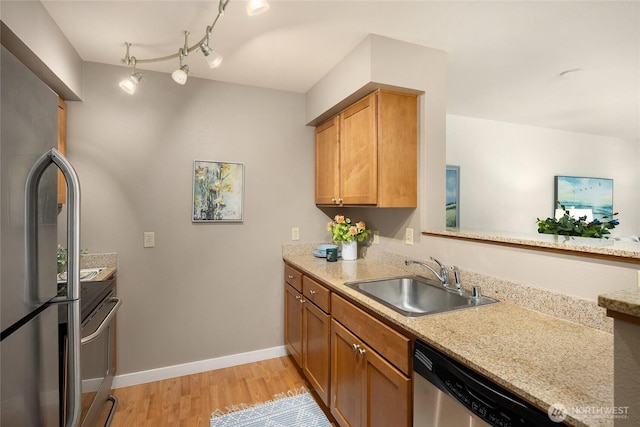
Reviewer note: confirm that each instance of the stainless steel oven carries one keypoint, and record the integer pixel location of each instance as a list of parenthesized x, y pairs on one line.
[(99, 304)]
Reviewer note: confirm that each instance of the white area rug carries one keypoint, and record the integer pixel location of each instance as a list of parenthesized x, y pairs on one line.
[(294, 409)]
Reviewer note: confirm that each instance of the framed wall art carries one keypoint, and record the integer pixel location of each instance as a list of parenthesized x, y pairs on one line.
[(218, 191), (576, 192), (453, 197)]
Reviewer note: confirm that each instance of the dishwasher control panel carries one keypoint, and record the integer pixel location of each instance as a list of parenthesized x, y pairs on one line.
[(485, 399)]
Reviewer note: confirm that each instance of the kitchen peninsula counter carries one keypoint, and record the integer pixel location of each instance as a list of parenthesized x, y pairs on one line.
[(625, 302), (545, 360)]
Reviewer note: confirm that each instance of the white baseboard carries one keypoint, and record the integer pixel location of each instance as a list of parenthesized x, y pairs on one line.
[(158, 374)]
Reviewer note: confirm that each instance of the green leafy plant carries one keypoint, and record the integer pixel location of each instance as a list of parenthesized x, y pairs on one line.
[(569, 226), (62, 257), (344, 230)]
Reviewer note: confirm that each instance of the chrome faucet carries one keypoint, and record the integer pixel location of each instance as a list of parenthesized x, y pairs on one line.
[(442, 276), (456, 278)]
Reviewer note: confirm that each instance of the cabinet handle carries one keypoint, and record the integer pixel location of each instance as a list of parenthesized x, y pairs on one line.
[(302, 301), (297, 296), (339, 201), (290, 276), (333, 200), (312, 292), (355, 347), (361, 351)]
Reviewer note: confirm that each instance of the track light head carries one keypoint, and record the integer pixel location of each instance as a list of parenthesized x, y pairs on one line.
[(256, 7), (130, 84), (214, 59), (180, 75)]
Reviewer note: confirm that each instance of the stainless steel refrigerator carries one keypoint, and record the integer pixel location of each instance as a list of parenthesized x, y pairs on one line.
[(29, 359)]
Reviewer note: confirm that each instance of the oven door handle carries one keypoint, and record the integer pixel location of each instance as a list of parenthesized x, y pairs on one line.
[(105, 322)]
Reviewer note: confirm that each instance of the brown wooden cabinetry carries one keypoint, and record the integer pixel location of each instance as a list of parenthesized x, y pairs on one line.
[(367, 154), (307, 329), (366, 389)]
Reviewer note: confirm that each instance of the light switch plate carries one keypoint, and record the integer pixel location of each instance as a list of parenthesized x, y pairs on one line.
[(149, 239), (409, 236), (295, 233)]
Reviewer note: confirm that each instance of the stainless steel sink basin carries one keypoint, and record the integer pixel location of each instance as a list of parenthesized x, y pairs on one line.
[(416, 296)]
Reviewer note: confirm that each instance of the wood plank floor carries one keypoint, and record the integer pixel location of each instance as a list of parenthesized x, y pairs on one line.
[(188, 401)]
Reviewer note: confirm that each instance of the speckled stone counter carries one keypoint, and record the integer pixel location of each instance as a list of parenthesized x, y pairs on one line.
[(626, 302), (626, 251), (544, 359), (107, 261)]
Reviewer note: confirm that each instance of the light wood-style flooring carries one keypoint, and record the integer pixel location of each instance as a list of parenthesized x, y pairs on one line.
[(188, 401)]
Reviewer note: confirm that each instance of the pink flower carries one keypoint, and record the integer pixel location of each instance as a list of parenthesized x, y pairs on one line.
[(361, 225), (339, 219), (353, 230)]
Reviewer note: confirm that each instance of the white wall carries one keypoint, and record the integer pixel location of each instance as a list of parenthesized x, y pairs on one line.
[(30, 33), (507, 172), (205, 290)]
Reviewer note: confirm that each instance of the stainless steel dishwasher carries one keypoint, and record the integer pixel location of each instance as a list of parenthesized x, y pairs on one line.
[(448, 394)]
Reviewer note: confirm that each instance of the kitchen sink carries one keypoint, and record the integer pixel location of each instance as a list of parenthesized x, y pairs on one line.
[(414, 296)]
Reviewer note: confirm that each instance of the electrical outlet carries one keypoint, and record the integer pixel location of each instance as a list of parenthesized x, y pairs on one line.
[(295, 233), (376, 237), (149, 239), (408, 238)]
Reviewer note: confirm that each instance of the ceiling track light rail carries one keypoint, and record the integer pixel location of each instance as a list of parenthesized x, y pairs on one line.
[(214, 59)]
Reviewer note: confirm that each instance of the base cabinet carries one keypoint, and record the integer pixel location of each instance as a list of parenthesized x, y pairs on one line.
[(307, 329), (293, 322), (366, 389), (358, 366)]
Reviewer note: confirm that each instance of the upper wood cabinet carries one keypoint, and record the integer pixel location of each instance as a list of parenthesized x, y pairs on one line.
[(368, 154), (62, 147)]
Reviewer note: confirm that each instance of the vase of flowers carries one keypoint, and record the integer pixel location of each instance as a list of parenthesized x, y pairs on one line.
[(348, 233)]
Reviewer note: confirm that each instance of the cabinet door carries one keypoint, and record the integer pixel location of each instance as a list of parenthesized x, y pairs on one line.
[(359, 153), (346, 377), (387, 393), (316, 349), (293, 323), (327, 163)]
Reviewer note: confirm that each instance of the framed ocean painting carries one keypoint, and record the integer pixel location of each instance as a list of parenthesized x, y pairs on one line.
[(576, 192), (218, 191), (452, 197)]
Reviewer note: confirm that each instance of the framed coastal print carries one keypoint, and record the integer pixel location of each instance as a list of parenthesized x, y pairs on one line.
[(576, 192), (218, 191), (453, 199)]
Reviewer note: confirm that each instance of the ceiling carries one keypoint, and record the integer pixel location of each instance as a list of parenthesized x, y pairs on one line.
[(504, 57)]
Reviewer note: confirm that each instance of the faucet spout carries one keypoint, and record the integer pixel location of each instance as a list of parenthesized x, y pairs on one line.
[(442, 275)]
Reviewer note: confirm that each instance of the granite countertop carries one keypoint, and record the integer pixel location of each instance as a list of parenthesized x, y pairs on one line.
[(106, 261), (622, 250), (544, 359), (626, 301), (105, 274)]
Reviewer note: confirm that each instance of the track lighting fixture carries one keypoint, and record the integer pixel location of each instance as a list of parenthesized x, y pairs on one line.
[(214, 59), (130, 84), (256, 7), (180, 75)]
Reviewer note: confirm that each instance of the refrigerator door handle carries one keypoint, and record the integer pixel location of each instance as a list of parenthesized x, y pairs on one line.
[(73, 263)]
